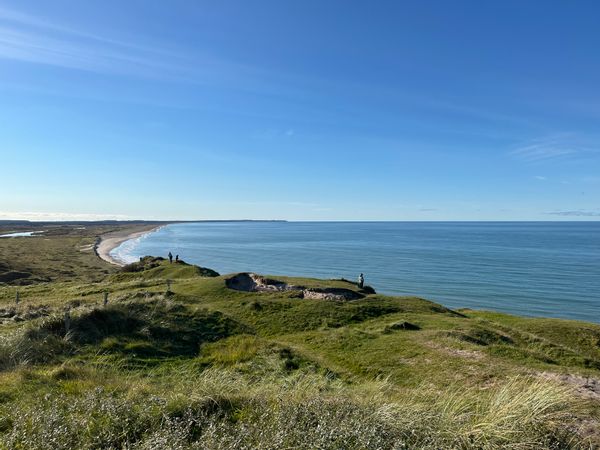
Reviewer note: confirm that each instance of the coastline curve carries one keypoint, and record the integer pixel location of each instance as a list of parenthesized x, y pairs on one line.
[(106, 243)]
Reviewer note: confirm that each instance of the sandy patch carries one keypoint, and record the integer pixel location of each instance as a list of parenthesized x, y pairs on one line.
[(585, 387), (250, 282), (461, 353)]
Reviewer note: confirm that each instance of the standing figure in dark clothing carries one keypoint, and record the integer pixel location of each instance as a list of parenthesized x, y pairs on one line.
[(361, 281), (177, 258), (170, 257)]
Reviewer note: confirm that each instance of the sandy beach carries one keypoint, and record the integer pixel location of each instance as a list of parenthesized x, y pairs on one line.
[(112, 240)]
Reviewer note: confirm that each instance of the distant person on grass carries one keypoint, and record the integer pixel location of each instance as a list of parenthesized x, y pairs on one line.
[(177, 258), (170, 257), (361, 281)]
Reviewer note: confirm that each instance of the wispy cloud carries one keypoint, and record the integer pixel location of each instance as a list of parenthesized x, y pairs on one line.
[(576, 213), (272, 133), (542, 150), (541, 178), (558, 147), (59, 216), (294, 204), (20, 19), (27, 38)]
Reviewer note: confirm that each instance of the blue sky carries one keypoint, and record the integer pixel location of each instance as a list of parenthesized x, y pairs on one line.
[(300, 110)]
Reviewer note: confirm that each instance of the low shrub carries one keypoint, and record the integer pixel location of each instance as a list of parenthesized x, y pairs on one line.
[(32, 346), (145, 263)]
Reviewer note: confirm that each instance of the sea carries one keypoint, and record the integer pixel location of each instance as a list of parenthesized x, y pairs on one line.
[(549, 269)]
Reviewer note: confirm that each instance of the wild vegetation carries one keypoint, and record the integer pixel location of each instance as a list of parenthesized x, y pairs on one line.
[(196, 364), (60, 252)]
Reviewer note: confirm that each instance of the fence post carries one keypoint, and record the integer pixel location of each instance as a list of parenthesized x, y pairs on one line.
[(67, 321), (168, 286), (105, 298), (17, 297)]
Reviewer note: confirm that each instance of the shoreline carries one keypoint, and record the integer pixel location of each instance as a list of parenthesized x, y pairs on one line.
[(109, 241)]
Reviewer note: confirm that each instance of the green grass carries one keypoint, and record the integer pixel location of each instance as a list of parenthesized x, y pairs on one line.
[(205, 366), (60, 253)]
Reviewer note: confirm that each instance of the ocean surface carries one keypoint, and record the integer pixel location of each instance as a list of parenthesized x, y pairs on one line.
[(528, 268)]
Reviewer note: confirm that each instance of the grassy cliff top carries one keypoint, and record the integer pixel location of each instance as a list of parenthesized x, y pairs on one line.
[(204, 365)]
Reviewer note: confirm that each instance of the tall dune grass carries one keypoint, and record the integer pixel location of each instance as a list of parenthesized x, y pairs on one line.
[(220, 408), (31, 345)]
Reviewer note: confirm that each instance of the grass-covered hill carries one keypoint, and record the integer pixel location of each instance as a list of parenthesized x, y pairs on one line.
[(294, 363)]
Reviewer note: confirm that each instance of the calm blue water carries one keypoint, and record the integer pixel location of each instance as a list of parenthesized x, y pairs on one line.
[(526, 268)]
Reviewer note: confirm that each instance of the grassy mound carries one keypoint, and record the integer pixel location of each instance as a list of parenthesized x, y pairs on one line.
[(150, 267), (206, 366)]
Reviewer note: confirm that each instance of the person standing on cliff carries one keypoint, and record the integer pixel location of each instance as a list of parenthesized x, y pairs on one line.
[(170, 257), (361, 281)]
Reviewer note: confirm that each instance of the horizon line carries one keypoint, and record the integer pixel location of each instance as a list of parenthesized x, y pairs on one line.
[(176, 221)]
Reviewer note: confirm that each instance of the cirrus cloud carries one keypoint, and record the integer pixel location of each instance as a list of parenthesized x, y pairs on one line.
[(576, 213)]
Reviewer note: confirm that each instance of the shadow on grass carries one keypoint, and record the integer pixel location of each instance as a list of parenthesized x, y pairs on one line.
[(144, 329)]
